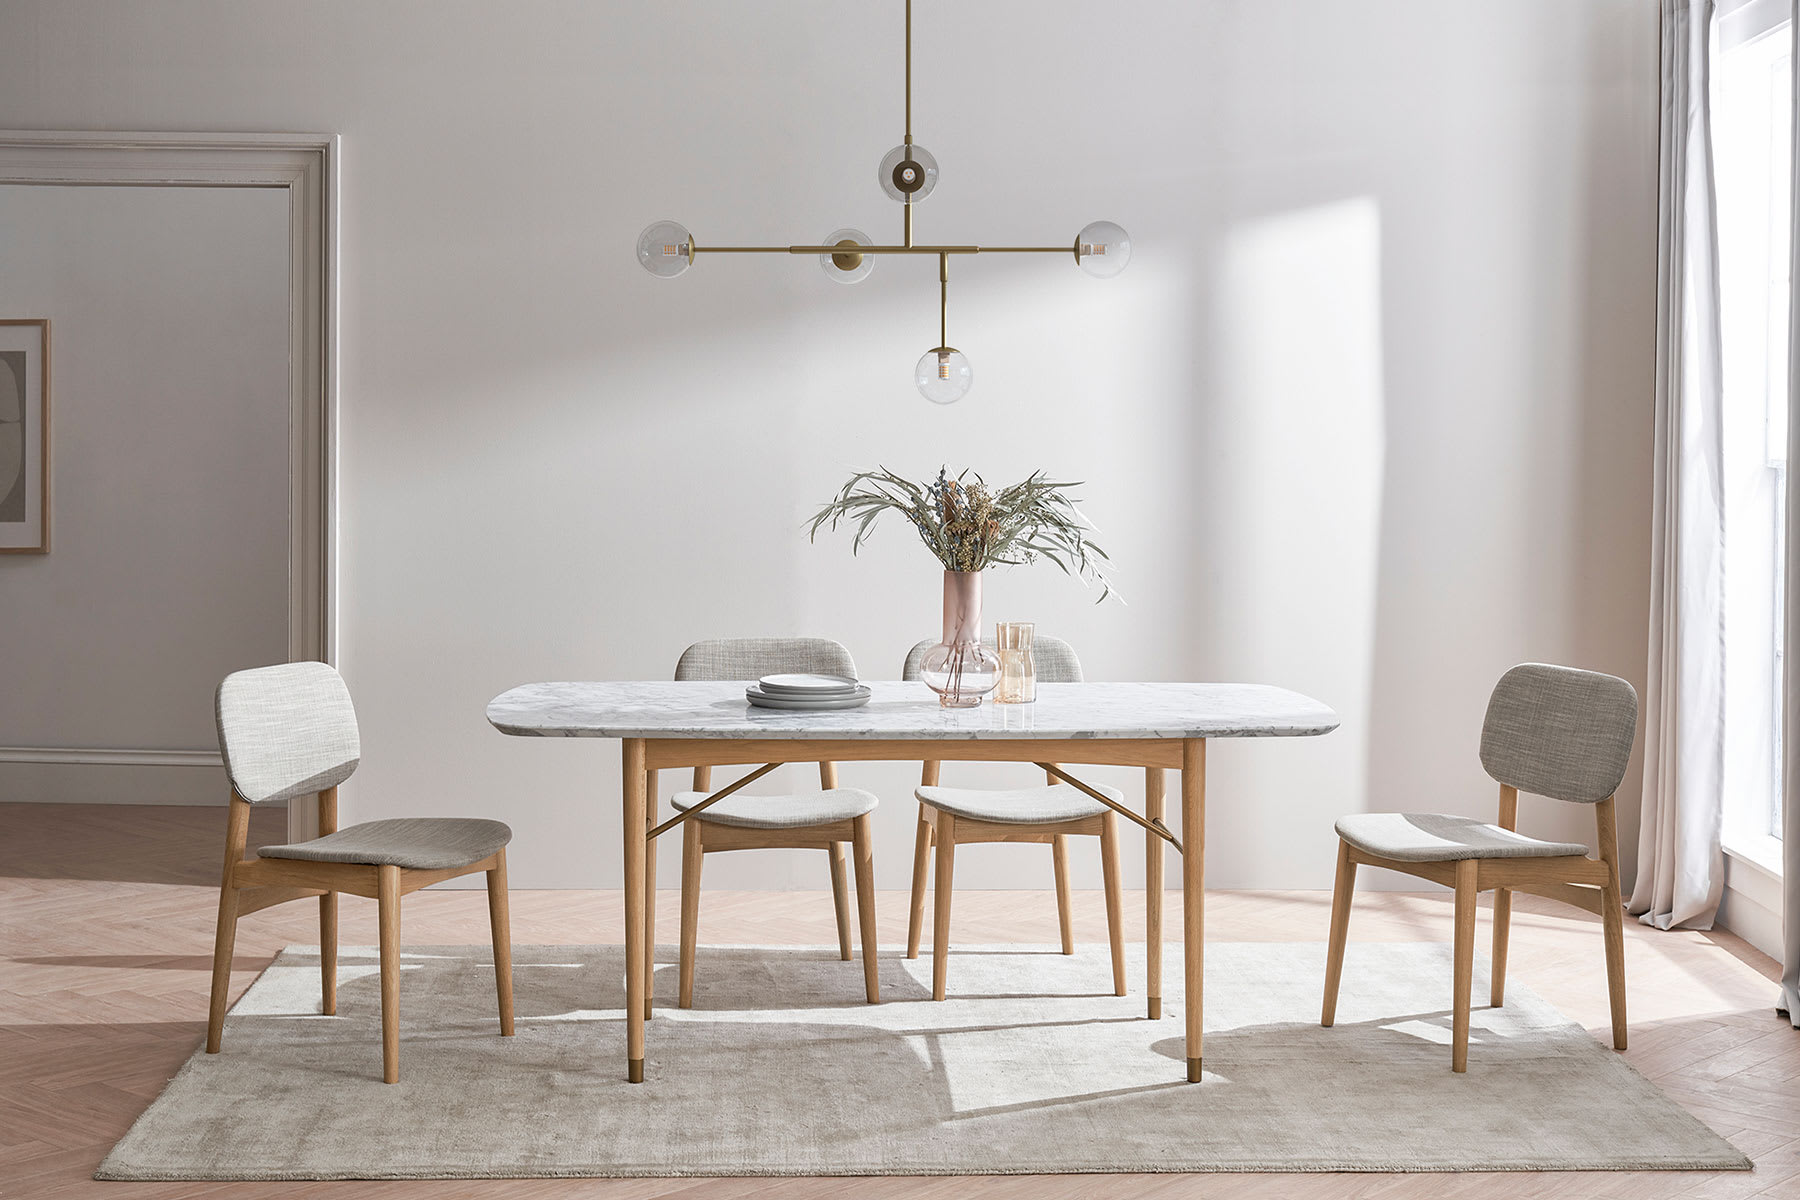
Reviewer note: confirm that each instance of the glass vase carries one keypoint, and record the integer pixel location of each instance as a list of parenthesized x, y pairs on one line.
[(1018, 672), (959, 668)]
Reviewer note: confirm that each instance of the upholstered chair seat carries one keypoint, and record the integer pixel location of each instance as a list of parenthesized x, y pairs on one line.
[(415, 843), (782, 812), (1437, 837), (1018, 806)]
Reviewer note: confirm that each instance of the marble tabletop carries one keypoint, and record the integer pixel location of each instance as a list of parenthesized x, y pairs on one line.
[(665, 709)]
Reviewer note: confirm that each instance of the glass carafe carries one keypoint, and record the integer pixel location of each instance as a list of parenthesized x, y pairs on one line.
[(1018, 673)]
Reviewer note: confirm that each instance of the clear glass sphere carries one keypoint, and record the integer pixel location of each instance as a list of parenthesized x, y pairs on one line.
[(1102, 249), (849, 266), (961, 673), (908, 173), (944, 375), (666, 249)]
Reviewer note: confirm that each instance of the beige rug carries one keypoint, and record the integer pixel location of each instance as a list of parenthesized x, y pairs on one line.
[(781, 1069)]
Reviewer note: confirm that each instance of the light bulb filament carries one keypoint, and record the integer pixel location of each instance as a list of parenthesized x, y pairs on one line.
[(674, 249), (943, 366)]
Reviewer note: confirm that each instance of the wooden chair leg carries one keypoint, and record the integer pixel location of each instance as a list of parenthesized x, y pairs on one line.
[(1508, 819), (840, 897), (1612, 918), (864, 840), (237, 831), (915, 925), (1464, 962), (500, 918), (224, 941), (388, 910), (1115, 910), (328, 948), (651, 814), (1502, 934), (1341, 896), (1059, 846), (691, 857), (940, 915), (1612, 915), (328, 912)]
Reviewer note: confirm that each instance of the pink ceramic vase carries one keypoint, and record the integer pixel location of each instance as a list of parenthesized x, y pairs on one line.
[(960, 669)]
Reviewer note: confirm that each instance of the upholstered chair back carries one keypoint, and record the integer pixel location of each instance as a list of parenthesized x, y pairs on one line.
[(286, 731), (1559, 732), (752, 658), (1053, 658)]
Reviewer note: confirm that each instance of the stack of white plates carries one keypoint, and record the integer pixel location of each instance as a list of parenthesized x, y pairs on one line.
[(816, 692)]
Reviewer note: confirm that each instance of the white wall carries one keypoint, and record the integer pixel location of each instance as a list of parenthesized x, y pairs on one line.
[(168, 310), (1369, 415)]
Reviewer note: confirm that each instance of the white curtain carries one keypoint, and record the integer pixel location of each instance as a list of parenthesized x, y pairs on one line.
[(1790, 683), (1681, 872)]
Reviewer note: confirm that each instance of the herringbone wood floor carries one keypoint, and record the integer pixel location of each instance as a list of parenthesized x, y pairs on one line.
[(106, 919)]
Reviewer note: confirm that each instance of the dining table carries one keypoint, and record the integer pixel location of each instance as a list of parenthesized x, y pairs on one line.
[(1155, 726)]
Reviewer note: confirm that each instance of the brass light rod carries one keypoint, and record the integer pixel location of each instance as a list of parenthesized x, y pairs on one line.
[(909, 84), (699, 249), (943, 299)]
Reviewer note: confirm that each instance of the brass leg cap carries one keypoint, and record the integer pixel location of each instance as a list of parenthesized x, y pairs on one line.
[(1156, 1008), (634, 1071), (1193, 1070)]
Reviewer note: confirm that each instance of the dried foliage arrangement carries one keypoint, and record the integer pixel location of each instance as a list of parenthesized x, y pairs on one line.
[(970, 526)]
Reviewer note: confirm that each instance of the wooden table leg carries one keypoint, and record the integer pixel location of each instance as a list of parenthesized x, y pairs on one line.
[(1153, 891), (651, 814), (632, 752), (1193, 892)]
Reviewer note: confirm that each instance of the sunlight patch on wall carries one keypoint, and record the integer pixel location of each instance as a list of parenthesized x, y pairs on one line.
[(1299, 415)]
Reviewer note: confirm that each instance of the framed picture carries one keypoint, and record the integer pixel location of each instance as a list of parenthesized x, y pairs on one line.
[(24, 437)]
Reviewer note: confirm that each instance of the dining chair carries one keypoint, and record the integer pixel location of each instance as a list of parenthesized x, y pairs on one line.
[(289, 731), (1551, 731), (824, 820), (1051, 812)]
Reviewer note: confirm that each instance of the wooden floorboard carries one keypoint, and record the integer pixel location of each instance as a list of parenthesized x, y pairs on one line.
[(106, 922)]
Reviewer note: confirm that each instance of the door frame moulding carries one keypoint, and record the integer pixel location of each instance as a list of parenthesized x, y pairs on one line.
[(306, 166)]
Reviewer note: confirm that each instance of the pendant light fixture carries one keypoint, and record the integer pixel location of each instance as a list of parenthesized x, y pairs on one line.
[(907, 174)]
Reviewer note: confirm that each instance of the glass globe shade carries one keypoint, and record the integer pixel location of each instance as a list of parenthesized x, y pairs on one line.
[(1102, 249), (666, 249), (908, 173), (847, 267), (944, 375)]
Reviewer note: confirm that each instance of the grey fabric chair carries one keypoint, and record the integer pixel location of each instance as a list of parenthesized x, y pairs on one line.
[(1052, 812), (289, 731), (824, 820), (1552, 731)]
